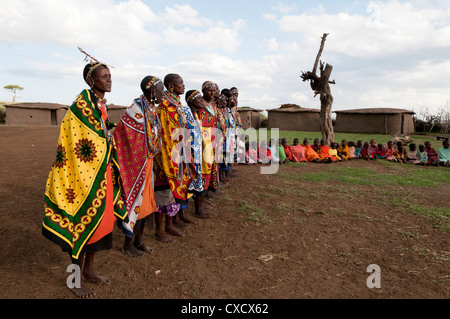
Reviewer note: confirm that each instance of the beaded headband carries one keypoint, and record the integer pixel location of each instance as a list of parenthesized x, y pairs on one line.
[(155, 80), (207, 84), (193, 96), (94, 63)]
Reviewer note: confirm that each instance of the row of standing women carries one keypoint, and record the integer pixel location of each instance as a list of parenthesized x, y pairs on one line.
[(142, 171)]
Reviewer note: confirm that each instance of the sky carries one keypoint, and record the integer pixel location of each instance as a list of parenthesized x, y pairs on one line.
[(388, 53)]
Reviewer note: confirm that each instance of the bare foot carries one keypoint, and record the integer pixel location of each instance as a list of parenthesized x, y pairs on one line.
[(180, 223), (145, 248), (95, 278), (132, 251), (209, 204), (82, 291), (174, 232), (163, 237), (202, 215)]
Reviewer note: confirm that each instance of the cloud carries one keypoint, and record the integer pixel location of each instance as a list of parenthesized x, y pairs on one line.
[(388, 28), (117, 32)]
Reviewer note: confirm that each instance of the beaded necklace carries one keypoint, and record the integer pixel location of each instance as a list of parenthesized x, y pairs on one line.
[(175, 100), (152, 127)]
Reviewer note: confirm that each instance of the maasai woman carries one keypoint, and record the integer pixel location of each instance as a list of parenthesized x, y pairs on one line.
[(195, 102), (138, 139), (208, 119), (83, 193), (237, 117), (223, 124), (173, 170)]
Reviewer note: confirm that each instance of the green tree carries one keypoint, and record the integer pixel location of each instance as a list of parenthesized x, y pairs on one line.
[(13, 88)]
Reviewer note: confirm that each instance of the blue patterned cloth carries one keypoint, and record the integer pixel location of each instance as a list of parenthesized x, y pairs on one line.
[(196, 149)]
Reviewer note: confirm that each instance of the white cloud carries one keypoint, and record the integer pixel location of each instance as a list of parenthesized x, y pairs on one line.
[(389, 28), (285, 8)]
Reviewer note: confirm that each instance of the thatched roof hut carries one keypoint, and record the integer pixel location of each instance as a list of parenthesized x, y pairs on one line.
[(292, 117), (375, 120)]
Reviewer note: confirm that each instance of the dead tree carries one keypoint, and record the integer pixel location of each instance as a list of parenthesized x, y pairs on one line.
[(321, 86)]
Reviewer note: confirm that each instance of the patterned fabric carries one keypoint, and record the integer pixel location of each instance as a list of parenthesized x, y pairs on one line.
[(423, 156), (169, 172), (431, 154), (209, 124), (170, 210), (297, 153), (400, 153), (343, 152), (137, 138), (324, 154), (230, 146), (196, 149), (75, 194)]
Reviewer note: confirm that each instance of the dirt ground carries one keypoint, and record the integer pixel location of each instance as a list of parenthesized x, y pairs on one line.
[(308, 242)]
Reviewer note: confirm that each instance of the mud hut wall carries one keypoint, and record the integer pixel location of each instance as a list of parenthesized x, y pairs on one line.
[(28, 116), (246, 119), (255, 119), (408, 124), (375, 123), (115, 115), (60, 115), (294, 121)]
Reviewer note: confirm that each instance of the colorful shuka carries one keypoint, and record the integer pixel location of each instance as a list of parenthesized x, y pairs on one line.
[(222, 125), (431, 154), (310, 154), (172, 173), (83, 187), (324, 154), (297, 153), (209, 124), (230, 136), (196, 149), (400, 154), (137, 140)]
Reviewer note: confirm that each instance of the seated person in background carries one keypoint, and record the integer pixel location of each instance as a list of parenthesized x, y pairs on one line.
[(324, 155), (400, 152), (343, 150), (297, 152), (433, 157), (310, 154), (281, 153), (380, 153), (351, 150), (273, 148), (316, 145), (444, 154), (251, 153), (390, 152), (358, 148), (365, 152), (411, 155), (334, 152), (372, 147), (264, 153), (422, 155), (287, 148)]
